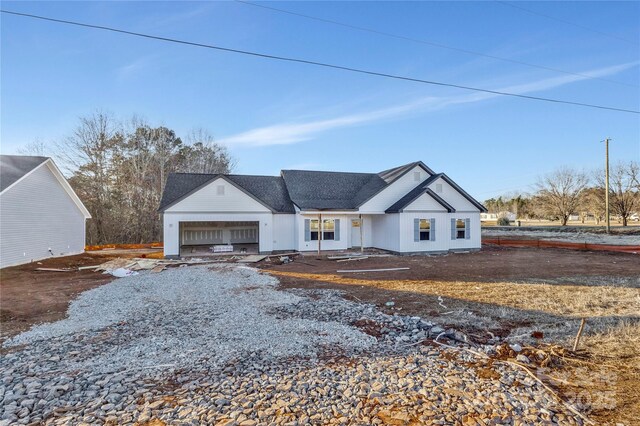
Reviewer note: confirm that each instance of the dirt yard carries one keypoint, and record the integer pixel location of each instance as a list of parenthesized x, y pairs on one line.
[(31, 297), (515, 294)]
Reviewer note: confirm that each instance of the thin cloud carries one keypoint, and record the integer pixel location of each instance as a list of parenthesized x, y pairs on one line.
[(133, 68), (290, 133)]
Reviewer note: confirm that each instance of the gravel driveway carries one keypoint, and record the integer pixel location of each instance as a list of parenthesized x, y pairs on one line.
[(221, 345)]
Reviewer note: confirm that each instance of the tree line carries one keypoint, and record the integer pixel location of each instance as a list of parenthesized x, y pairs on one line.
[(567, 192), (119, 169)]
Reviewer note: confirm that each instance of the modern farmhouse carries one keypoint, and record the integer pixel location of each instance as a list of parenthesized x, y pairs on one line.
[(406, 209), (40, 215)]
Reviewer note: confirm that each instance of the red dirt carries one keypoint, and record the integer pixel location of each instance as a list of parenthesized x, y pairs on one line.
[(491, 264), (30, 297)]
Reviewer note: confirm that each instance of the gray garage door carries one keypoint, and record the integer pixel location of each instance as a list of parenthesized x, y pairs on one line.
[(202, 233)]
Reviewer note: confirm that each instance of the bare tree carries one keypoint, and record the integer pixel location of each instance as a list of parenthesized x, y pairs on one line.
[(624, 195), (38, 148), (202, 155), (560, 193)]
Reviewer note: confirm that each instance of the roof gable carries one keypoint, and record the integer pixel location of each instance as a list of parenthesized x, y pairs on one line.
[(459, 191), (417, 192), (269, 191), (15, 167)]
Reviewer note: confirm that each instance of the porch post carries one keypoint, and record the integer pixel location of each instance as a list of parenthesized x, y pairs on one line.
[(361, 234), (319, 231)]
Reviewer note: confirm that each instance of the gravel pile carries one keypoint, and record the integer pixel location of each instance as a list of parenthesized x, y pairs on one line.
[(222, 345)]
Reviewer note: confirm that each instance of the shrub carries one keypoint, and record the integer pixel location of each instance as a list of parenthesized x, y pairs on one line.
[(503, 221)]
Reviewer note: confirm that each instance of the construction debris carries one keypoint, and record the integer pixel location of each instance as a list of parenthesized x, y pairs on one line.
[(54, 270), (371, 270), (351, 259), (253, 258)]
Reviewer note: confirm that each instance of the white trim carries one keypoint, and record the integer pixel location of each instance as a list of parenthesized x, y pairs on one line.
[(65, 184), (24, 176), (61, 179)]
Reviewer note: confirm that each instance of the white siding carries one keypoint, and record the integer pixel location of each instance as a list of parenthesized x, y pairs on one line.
[(342, 244), (36, 215), (172, 227), (443, 240), (206, 199), (386, 233), (425, 203), (283, 231), (453, 197), (383, 200)]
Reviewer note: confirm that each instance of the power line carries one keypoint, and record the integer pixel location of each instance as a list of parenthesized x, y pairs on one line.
[(319, 64), (429, 43), (564, 21)]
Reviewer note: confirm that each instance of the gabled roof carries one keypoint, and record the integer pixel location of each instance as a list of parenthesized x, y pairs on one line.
[(464, 193), (415, 193), (15, 167), (267, 190), (393, 174), (314, 190)]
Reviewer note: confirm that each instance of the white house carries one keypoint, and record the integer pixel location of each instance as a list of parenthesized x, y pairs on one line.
[(40, 215), (406, 209)]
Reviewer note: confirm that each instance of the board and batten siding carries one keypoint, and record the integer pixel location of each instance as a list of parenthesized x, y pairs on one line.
[(37, 214), (392, 193)]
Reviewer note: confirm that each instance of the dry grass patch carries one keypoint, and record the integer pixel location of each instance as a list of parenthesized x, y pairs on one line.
[(564, 300)]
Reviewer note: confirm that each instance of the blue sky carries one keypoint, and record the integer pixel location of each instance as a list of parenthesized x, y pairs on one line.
[(276, 115)]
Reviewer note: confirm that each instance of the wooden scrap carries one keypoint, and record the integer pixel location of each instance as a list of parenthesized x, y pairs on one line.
[(371, 270), (283, 254), (252, 258), (82, 268), (351, 259), (54, 270), (158, 268)]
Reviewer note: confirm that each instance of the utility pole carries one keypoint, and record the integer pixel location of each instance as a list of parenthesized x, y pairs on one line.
[(606, 184)]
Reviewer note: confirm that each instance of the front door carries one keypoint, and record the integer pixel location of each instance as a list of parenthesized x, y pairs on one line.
[(355, 232)]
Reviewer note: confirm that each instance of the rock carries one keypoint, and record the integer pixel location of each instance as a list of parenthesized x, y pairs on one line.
[(516, 347), (522, 358)]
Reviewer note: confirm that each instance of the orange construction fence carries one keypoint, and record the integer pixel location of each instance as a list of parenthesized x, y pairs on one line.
[(124, 246), (561, 244)]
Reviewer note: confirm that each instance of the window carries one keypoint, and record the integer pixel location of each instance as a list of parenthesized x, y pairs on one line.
[(416, 176), (220, 190), (460, 229), (328, 229), (439, 188), (425, 229), (314, 229)]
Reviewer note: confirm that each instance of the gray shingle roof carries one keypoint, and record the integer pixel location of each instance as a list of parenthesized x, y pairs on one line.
[(420, 189), (313, 190), (269, 190), (13, 167)]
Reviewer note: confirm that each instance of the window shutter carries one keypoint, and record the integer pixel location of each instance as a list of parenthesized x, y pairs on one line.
[(467, 229), (416, 230), (453, 228), (307, 229), (336, 235), (432, 230)]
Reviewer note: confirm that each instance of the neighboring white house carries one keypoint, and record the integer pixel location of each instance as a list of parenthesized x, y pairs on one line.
[(40, 215), (406, 209), (495, 216)]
